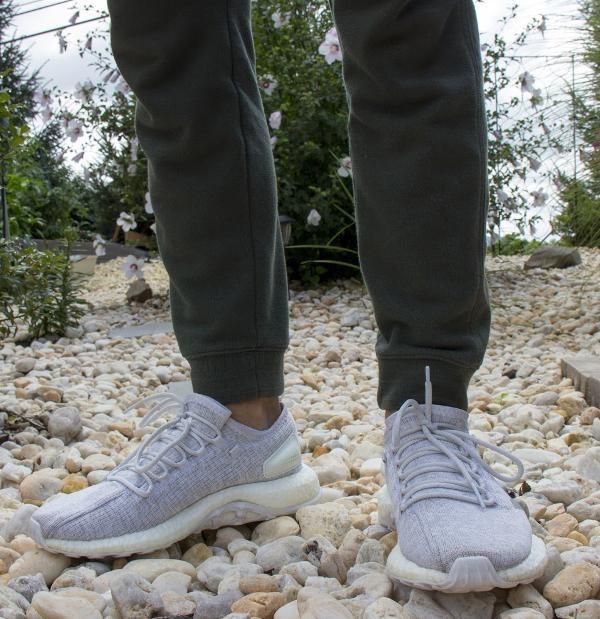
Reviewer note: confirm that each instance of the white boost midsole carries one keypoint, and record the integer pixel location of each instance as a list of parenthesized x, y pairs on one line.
[(467, 572), (276, 497)]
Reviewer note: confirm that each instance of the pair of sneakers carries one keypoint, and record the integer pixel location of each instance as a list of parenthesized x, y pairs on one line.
[(458, 530)]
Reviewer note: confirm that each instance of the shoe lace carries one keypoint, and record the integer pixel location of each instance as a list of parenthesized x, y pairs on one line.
[(462, 457), (151, 460)]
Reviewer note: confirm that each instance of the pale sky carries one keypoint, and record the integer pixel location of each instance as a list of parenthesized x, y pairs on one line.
[(65, 70)]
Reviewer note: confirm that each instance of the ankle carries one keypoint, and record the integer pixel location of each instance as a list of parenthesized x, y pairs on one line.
[(259, 414)]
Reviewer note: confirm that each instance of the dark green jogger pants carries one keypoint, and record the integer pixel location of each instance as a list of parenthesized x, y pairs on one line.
[(412, 72)]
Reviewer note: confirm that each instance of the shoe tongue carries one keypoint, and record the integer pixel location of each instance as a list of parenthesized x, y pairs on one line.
[(448, 415), (412, 419), (207, 408)]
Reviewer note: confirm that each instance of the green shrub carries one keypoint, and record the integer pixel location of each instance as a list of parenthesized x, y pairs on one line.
[(36, 290), (312, 138), (511, 244), (579, 220), (45, 197)]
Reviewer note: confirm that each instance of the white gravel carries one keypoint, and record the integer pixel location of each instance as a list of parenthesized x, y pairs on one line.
[(69, 397)]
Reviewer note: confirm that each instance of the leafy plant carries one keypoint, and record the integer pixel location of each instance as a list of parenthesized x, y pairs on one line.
[(37, 291), (45, 196), (516, 141), (512, 244), (579, 220)]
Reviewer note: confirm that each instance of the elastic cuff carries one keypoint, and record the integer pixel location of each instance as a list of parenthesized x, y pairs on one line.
[(401, 379), (238, 376)]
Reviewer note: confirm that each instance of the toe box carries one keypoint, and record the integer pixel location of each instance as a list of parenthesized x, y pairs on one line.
[(434, 533)]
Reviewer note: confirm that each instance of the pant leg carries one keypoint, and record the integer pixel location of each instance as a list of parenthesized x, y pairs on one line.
[(412, 71), (201, 124)]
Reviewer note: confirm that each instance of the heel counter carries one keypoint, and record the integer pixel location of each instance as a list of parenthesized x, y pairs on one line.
[(284, 459)]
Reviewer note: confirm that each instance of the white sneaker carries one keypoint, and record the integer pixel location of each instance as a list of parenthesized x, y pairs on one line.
[(458, 530), (200, 470)]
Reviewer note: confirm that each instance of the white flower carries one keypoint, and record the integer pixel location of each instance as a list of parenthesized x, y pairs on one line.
[(99, 245), (43, 97), (84, 91), (275, 120), (280, 19), (314, 218), (527, 82), (268, 84), (273, 141), (126, 221), (148, 204), (345, 168), (330, 48), (74, 129), (539, 197), (133, 267)]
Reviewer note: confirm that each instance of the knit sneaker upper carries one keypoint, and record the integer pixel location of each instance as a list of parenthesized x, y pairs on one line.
[(198, 452), (447, 503)]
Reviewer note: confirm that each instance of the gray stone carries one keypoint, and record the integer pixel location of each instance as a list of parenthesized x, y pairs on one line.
[(300, 571), (134, 596), (147, 328), (316, 604), (371, 551), (139, 291), (527, 596), (585, 374), (216, 606), (64, 423), (24, 364), (553, 257), (212, 571), (437, 605), (553, 566), (274, 555), (324, 555), (588, 609), (28, 586), (13, 598), (385, 608), (521, 613)]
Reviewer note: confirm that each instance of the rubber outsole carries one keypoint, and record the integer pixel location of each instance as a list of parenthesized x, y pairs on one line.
[(468, 574), (229, 507)]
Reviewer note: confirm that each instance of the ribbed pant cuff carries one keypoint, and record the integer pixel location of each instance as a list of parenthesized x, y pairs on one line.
[(238, 376), (401, 379)]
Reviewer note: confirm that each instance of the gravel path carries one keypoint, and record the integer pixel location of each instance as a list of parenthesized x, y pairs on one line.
[(327, 561)]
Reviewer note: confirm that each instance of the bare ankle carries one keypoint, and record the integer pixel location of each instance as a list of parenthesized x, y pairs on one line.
[(259, 414)]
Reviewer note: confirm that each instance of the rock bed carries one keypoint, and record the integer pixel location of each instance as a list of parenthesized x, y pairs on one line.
[(327, 561)]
